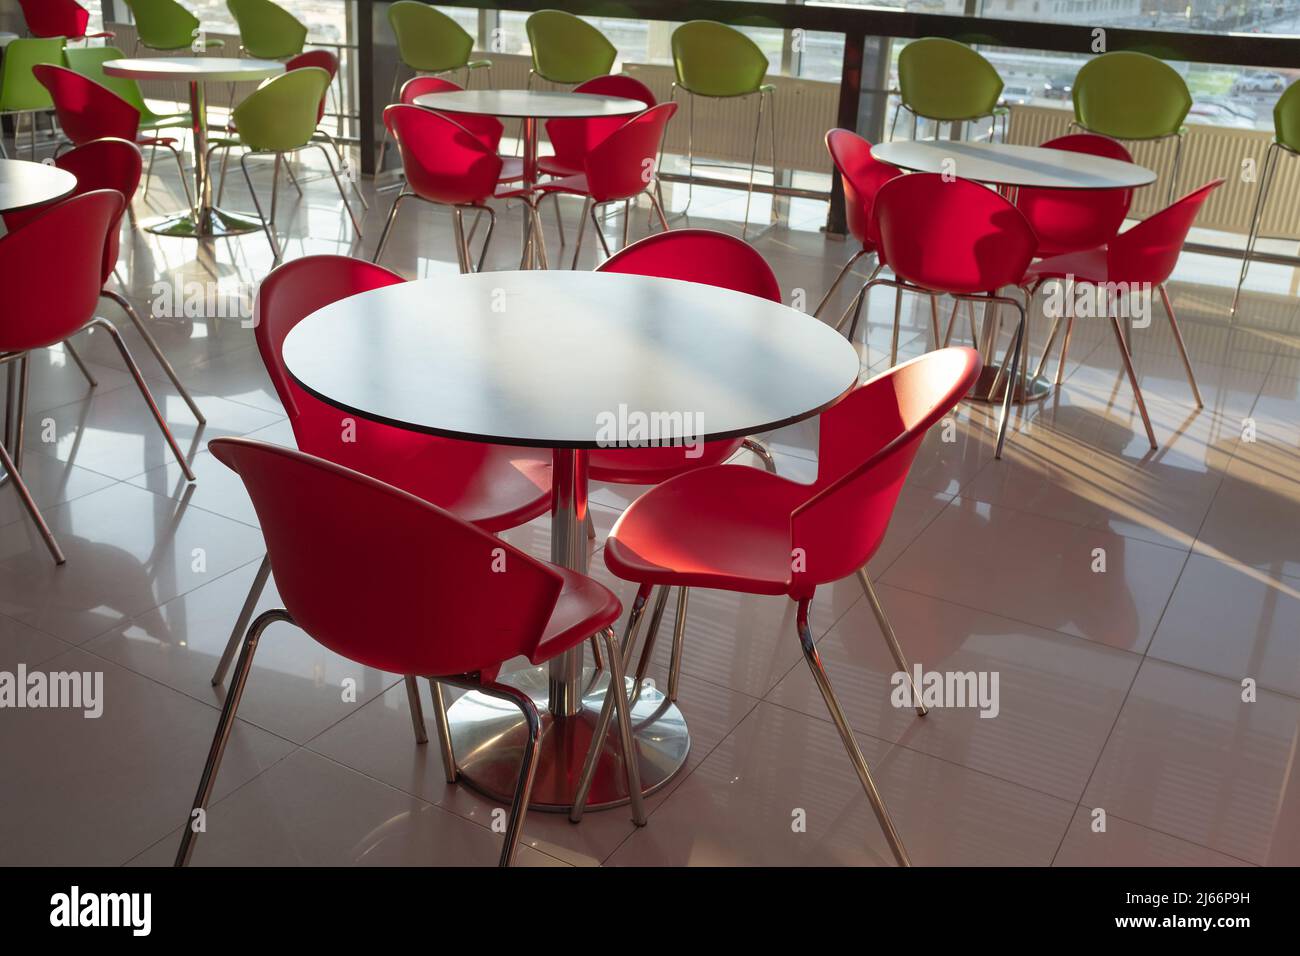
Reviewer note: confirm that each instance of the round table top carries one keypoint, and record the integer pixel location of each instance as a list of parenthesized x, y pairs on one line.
[(215, 69), (525, 104), (559, 359), (24, 184), (1001, 164)]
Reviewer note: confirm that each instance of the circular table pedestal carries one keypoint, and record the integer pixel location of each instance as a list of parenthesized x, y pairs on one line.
[(488, 737), (1035, 389), (214, 223)]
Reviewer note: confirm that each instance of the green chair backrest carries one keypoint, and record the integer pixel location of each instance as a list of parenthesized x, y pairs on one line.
[(19, 88), (941, 79), (267, 31), (713, 59), (1127, 95), (281, 113), (428, 41), (568, 49), (1286, 118), (89, 62), (163, 24)]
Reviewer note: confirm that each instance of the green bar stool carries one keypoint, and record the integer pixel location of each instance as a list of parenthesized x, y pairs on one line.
[(948, 82), (89, 62), (1133, 97), (279, 119), (165, 25), (717, 61), (20, 93), (566, 49), (432, 43), (1286, 138)]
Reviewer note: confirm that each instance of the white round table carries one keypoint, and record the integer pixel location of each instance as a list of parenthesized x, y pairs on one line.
[(1002, 164), (205, 220), (25, 184), (549, 359)]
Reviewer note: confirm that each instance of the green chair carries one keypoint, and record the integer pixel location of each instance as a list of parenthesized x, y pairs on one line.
[(267, 31), (20, 93), (429, 42), (719, 62), (1134, 97), (1286, 137), (947, 82), (166, 25), (567, 49), (279, 119), (89, 62)]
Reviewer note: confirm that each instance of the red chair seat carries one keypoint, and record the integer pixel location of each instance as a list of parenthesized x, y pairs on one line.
[(554, 166), (1086, 266), (725, 527), (512, 169), (584, 607)]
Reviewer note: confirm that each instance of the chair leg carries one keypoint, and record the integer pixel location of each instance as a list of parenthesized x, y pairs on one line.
[(180, 165), (241, 623), (266, 223), (846, 736), (416, 708), (224, 726), (1132, 380), (600, 233), (527, 766), (1182, 348), (153, 347), (887, 629), (30, 504), (392, 98), (1012, 374), (559, 218), (844, 271), (76, 358), (679, 636), (487, 238), (343, 165), (148, 176), (1065, 350), (388, 225), (356, 223), (652, 634), (657, 205), (898, 320), (1256, 217), (444, 731), (616, 682), (146, 395), (762, 451), (458, 231), (582, 225), (753, 162), (934, 321)]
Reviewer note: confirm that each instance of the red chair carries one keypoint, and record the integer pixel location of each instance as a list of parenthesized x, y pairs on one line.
[(740, 529), (862, 176), (711, 258), (955, 237), (447, 164), (110, 164), (1068, 220), (1134, 260), (574, 139), (409, 589), (491, 486), (619, 168), (59, 18), (88, 111), (489, 129), (51, 271)]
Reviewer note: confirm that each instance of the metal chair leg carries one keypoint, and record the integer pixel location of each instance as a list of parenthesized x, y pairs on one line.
[(846, 736), (444, 731), (657, 205), (1065, 350), (582, 225), (388, 225), (30, 504), (1132, 379), (416, 708), (153, 347), (356, 223), (527, 766), (1012, 374), (652, 634), (383, 142), (898, 321), (753, 162), (266, 224), (76, 358), (844, 271), (887, 629), (147, 395), (180, 165), (241, 623), (1182, 348), (600, 233), (1256, 217), (762, 451), (224, 725), (679, 635)]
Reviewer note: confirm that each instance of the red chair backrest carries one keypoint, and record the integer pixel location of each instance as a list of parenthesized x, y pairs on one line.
[(100, 164), (85, 109), (951, 235), (323, 59), (1149, 251), (385, 578), (573, 139), (443, 161), (51, 270), (1071, 220), (55, 18), (698, 255), (623, 163), (489, 129), (866, 446), (862, 176)]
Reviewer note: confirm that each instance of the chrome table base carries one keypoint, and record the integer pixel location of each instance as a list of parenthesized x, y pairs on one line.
[(1035, 389), (488, 737), (211, 223)]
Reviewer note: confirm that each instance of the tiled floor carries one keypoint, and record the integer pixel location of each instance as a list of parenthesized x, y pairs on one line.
[(1141, 610)]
